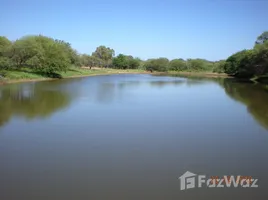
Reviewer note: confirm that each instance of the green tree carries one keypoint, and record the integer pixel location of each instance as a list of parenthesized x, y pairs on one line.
[(89, 61), (159, 64), (262, 38), (121, 62), (5, 53), (71, 53), (218, 66), (5, 45), (199, 65), (241, 64), (177, 65), (105, 54), (261, 58), (125, 62), (134, 63), (52, 56), (249, 63), (41, 53), (24, 49)]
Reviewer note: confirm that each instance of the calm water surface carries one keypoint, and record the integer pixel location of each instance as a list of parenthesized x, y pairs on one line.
[(130, 137)]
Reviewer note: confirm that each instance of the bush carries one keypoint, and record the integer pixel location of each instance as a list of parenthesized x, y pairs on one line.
[(177, 65), (241, 64), (160, 64)]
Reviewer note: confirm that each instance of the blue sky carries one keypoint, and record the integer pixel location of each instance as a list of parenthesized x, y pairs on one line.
[(210, 29)]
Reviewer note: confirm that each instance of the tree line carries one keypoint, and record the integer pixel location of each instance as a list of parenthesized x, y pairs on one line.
[(249, 62), (49, 56)]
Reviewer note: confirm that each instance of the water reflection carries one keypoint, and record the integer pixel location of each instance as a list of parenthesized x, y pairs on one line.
[(157, 83), (254, 96), (30, 101), (108, 92), (161, 84)]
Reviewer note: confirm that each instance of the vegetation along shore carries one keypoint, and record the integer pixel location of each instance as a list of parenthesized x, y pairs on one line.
[(43, 58)]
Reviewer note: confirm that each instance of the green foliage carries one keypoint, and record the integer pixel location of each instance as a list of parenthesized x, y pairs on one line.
[(177, 65), (240, 64), (5, 45), (90, 61), (105, 55), (190, 65), (121, 62), (199, 65), (5, 63), (52, 57), (125, 62), (218, 67), (5, 53), (160, 64), (43, 54), (134, 63), (249, 63), (262, 38), (24, 49), (70, 52)]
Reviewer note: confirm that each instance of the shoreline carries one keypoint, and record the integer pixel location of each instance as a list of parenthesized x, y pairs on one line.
[(190, 74), (13, 81), (201, 74)]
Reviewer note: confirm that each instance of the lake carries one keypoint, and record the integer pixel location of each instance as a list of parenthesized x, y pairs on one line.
[(131, 137)]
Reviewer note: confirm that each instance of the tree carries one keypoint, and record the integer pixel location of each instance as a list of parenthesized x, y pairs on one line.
[(261, 58), (5, 53), (177, 65), (241, 64), (90, 61), (249, 63), (125, 62), (199, 65), (25, 49), (41, 53), (160, 64), (134, 63), (5, 45), (262, 38), (104, 53), (52, 56), (120, 62), (218, 66), (71, 53)]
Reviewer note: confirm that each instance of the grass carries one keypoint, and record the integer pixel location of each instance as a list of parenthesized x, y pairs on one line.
[(17, 75), (27, 74), (99, 71)]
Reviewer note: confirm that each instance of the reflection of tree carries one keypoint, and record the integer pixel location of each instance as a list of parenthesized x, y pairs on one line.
[(166, 83), (30, 101), (197, 81), (252, 95), (129, 84)]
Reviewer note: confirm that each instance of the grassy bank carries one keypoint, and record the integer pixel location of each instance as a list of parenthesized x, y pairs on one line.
[(24, 75)]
